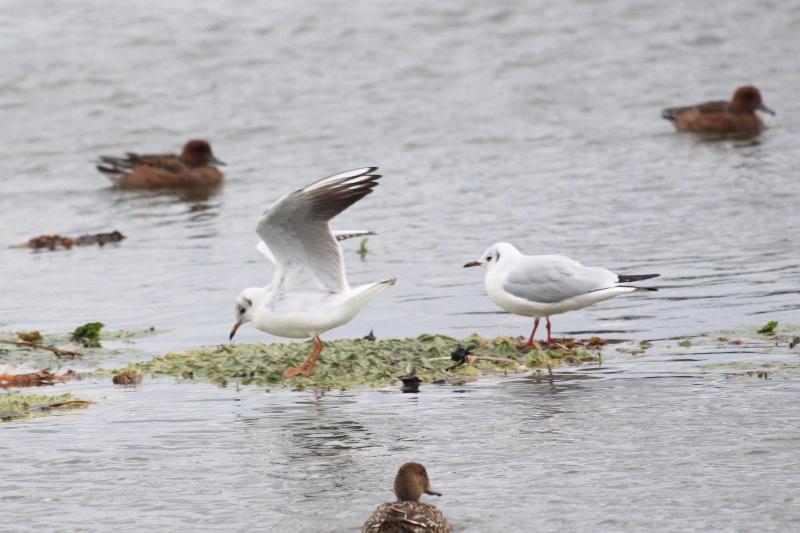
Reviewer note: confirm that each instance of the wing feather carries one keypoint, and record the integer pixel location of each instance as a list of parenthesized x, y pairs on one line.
[(296, 229), (554, 278)]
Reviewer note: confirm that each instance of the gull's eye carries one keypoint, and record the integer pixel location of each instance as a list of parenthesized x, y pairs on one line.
[(241, 310), (489, 258)]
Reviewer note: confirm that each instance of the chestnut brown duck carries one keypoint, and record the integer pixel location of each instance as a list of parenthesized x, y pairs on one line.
[(196, 166), (720, 117), (408, 514)]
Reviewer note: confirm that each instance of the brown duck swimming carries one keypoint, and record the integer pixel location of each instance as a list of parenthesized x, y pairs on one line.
[(195, 167), (720, 117), (408, 514)]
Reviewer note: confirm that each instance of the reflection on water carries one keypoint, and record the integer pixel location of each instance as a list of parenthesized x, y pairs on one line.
[(580, 451)]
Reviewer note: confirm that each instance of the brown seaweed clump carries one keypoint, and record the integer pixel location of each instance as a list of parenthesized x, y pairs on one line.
[(127, 377), (35, 379), (52, 242)]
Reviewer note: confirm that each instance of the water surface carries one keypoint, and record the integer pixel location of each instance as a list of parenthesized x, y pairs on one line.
[(532, 122)]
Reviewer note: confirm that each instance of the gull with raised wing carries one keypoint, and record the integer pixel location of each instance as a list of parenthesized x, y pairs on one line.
[(545, 285), (309, 294)]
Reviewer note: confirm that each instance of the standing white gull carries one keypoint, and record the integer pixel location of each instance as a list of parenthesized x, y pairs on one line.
[(309, 293), (545, 285)]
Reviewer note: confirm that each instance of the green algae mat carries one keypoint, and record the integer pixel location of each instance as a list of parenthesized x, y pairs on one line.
[(15, 405), (351, 363)]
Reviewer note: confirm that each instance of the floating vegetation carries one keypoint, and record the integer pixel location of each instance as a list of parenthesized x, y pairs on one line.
[(88, 334), (129, 335), (349, 363), (30, 336), (34, 340), (769, 328), (751, 369), (19, 405), (53, 350), (362, 249), (757, 374), (35, 379), (52, 242)]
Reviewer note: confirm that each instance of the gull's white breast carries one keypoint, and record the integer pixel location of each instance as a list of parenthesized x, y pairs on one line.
[(303, 315)]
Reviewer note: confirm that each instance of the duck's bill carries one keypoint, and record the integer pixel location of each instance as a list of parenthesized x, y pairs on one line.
[(473, 264), (234, 330), (433, 492), (765, 109), (215, 161)]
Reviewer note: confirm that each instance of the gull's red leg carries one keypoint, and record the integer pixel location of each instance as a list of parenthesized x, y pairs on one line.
[(313, 363), (549, 332), (316, 348), (535, 326)]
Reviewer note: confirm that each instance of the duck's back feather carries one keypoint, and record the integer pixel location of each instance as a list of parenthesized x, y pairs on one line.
[(406, 517)]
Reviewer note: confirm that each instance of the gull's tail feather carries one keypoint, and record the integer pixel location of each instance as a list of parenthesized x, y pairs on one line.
[(342, 235), (361, 296), (627, 278)]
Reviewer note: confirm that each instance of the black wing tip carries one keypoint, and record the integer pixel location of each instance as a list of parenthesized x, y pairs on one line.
[(369, 172), (627, 278)]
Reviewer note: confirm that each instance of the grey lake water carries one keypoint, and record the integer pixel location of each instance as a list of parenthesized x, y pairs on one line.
[(531, 122)]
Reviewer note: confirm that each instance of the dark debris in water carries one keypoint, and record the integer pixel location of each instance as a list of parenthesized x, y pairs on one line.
[(411, 381), (53, 242)]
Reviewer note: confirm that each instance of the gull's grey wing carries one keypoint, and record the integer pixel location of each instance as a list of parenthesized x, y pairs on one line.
[(340, 235), (295, 229), (554, 278)]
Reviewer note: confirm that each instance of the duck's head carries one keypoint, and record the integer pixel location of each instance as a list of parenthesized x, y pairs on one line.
[(494, 254), (411, 482), (748, 99), (243, 310), (198, 153)]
